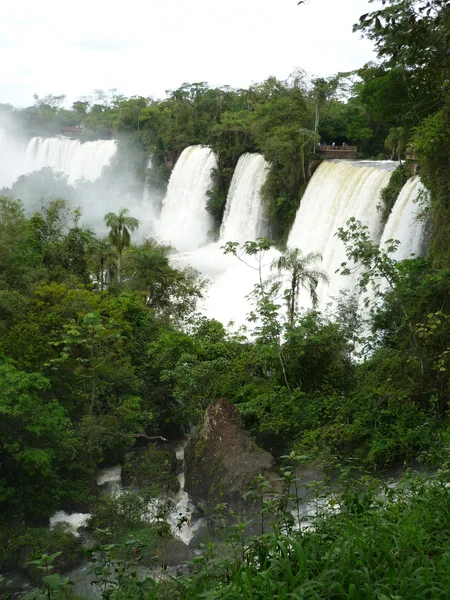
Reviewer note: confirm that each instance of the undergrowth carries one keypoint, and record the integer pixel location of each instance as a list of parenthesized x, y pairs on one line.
[(361, 539)]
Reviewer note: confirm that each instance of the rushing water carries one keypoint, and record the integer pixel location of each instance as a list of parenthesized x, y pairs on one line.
[(403, 223), (406, 227), (245, 216), (338, 191), (185, 222), (76, 160)]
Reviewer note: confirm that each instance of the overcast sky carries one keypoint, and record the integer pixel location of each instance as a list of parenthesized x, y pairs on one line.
[(144, 47)]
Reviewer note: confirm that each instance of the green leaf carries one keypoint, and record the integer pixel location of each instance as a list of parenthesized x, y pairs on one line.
[(53, 580)]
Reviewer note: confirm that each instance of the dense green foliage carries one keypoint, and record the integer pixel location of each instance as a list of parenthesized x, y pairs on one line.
[(390, 193), (100, 344)]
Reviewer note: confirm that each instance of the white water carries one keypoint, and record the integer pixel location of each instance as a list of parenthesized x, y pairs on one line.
[(403, 224), (76, 160), (244, 219), (185, 222), (73, 521), (179, 518), (245, 216), (111, 477), (338, 191)]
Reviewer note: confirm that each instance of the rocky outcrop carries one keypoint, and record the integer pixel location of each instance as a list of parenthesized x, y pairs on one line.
[(222, 460)]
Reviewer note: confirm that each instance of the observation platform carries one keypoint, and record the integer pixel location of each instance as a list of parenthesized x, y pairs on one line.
[(73, 130), (342, 152)]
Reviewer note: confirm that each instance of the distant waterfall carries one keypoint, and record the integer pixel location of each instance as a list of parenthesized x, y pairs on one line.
[(338, 191), (76, 160), (245, 217), (403, 224), (185, 222)]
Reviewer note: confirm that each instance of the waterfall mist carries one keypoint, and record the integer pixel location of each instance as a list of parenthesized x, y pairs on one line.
[(102, 176), (97, 177)]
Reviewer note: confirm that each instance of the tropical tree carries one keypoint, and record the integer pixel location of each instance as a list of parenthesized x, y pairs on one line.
[(396, 142), (302, 272), (120, 226)]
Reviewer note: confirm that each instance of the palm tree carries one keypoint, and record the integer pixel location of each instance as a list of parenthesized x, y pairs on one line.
[(120, 226), (301, 274), (396, 142)]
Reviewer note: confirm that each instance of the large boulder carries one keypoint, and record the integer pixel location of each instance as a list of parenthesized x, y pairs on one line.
[(221, 461)]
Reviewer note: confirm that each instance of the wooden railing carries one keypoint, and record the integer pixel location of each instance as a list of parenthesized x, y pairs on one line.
[(326, 148)]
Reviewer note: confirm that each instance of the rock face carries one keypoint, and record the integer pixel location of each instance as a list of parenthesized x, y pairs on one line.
[(221, 461)]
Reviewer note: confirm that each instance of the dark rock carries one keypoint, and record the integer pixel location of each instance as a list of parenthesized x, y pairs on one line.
[(170, 553), (175, 552), (223, 459)]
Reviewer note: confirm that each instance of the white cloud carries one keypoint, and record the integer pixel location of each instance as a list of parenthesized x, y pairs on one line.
[(146, 47)]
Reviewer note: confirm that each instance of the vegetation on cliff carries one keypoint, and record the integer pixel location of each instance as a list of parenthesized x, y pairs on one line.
[(101, 347)]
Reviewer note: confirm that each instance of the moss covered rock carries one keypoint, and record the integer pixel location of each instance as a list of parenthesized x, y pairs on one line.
[(222, 460)]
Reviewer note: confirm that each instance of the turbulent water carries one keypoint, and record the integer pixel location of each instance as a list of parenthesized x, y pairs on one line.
[(245, 216), (338, 191), (405, 226), (244, 219), (185, 222), (76, 160), (403, 223)]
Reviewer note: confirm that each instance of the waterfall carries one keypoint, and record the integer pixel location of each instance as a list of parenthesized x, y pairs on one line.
[(76, 160), (403, 224), (245, 217), (338, 191), (185, 222)]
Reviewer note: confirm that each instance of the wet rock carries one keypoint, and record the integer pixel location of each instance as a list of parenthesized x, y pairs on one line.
[(222, 460)]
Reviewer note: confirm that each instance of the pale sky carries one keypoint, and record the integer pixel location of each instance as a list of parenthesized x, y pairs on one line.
[(144, 47)]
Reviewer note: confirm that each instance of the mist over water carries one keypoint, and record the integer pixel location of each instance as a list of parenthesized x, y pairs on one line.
[(103, 176), (11, 156), (91, 176), (76, 160)]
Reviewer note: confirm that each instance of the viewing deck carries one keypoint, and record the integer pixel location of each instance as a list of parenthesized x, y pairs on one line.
[(73, 130), (342, 152)]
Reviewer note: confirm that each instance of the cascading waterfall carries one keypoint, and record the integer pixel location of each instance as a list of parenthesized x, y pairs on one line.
[(403, 224), (185, 222), (338, 191), (76, 160), (245, 218)]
